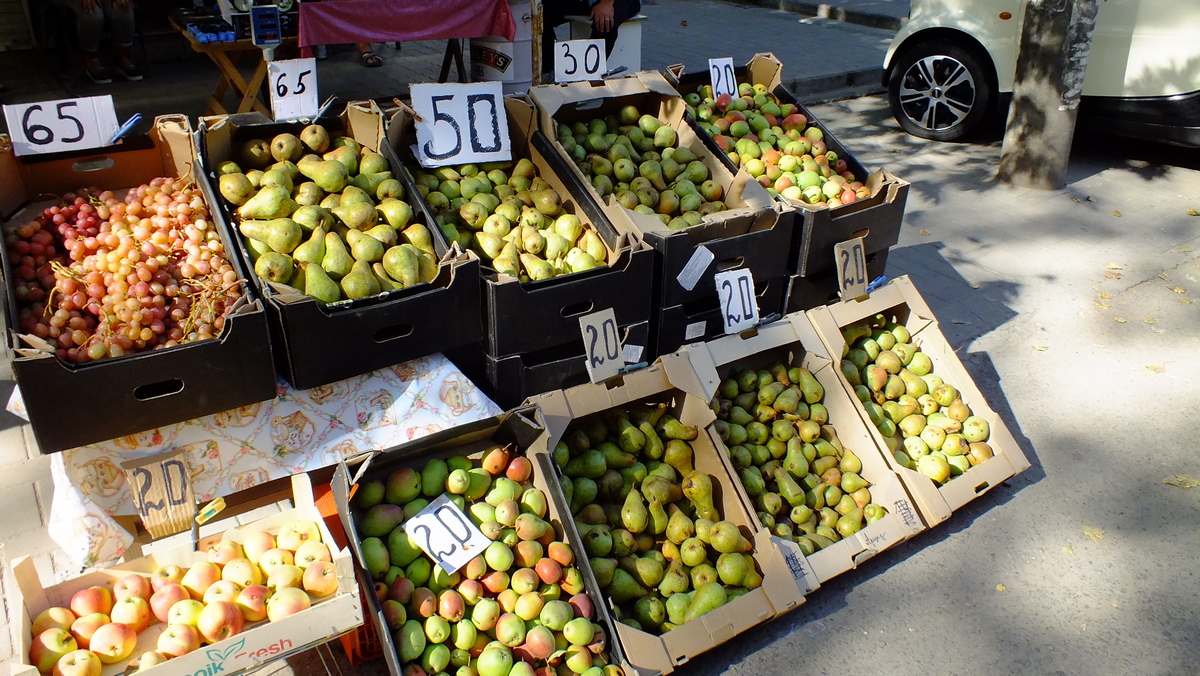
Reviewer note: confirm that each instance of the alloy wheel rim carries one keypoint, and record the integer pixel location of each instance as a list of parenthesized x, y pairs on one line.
[(937, 92)]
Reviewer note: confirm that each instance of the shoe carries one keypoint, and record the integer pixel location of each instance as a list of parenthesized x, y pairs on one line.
[(370, 59), (130, 72), (101, 75)]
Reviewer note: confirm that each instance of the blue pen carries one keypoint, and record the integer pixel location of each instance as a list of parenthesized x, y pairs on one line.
[(125, 128)]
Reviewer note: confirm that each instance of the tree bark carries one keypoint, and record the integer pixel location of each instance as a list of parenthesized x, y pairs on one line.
[(1056, 37)]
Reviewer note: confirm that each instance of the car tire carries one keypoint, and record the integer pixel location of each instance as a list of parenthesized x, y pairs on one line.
[(941, 91)]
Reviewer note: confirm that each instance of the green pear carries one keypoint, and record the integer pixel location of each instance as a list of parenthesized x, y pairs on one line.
[(360, 282), (331, 176), (337, 261), (310, 217), (269, 202), (313, 249), (535, 267), (401, 264), (385, 233), (235, 188), (357, 215), (386, 283), (418, 235), (308, 194), (344, 155), (364, 247), (371, 162), (283, 235), (318, 284), (274, 267)]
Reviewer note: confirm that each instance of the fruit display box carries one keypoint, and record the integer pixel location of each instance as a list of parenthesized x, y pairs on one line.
[(672, 380), (806, 293), (508, 381), (793, 340), (142, 390), (749, 234), (524, 317), (695, 322), (876, 218), (900, 299), (320, 344), (519, 429), (259, 643)]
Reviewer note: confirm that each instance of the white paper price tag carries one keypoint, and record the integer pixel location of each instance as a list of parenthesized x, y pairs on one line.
[(293, 88), (739, 305), (576, 60), (601, 344), (721, 76), (461, 123), (443, 532), (851, 268), (56, 126)]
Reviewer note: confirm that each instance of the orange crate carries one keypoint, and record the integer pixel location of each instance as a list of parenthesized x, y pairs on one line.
[(362, 644)]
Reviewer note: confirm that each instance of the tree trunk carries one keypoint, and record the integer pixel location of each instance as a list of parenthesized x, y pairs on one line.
[(1056, 37)]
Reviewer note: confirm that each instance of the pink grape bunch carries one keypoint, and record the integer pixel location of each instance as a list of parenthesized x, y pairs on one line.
[(100, 277)]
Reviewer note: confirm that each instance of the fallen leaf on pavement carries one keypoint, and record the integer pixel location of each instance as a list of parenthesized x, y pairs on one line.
[(1112, 275), (1164, 276), (1116, 213), (1193, 212), (1185, 249), (1157, 368), (1075, 200), (1041, 348), (683, 23), (1090, 198), (1119, 320), (1176, 289), (1102, 305), (1149, 320), (1182, 481), (1000, 587), (1094, 533), (1069, 550), (1114, 266), (1103, 295), (923, 231), (1185, 301)]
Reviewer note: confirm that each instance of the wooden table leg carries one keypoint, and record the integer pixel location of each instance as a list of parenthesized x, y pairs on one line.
[(250, 94), (215, 105)]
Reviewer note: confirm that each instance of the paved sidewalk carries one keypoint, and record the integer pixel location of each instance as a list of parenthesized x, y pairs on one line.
[(888, 14)]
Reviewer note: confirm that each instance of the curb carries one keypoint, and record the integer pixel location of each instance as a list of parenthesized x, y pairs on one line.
[(827, 11), (838, 85)]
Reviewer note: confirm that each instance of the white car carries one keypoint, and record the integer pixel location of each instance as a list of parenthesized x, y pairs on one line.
[(952, 66)]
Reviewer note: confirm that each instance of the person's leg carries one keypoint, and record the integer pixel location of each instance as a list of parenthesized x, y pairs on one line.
[(89, 24), (555, 13), (367, 57), (121, 27), (623, 10)]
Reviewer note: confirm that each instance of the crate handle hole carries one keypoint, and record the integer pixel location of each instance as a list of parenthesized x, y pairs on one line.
[(982, 487), (731, 263), (577, 309), (93, 164), (157, 390), (860, 233), (393, 332)]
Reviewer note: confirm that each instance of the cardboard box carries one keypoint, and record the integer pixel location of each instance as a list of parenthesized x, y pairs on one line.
[(749, 234), (876, 219), (510, 380), (900, 299), (520, 427), (258, 644), (144, 390), (790, 341), (672, 379), (806, 293), (320, 344), (696, 322), (527, 317)]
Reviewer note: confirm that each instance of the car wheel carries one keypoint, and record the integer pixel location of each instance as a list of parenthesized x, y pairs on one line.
[(940, 91)]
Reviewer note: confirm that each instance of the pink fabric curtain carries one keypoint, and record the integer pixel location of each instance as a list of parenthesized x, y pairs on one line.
[(333, 23)]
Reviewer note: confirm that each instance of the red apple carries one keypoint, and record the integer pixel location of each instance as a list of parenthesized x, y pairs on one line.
[(220, 620), (320, 579), (253, 602), (165, 576), (296, 533), (132, 585), (178, 639), (222, 590), (133, 611), (49, 646), (284, 576), (242, 571), (275, 557), (286, 602), (200, 577), (113, 642), (151, 658), (91, 600), (78, 663), (310, 551), (186, 611), (53, 618), (83, 628), (164, 598), (257, 543), (225, 551)]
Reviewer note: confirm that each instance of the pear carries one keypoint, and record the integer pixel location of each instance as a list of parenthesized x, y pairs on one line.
[(364, 247), (386, 283), (418, 236), (389, 188), (707, 597), (255, 249), (331, 201), (315, 138), (427, 264), (678, 454), (385, 233), (593, 245), (371, 162), (337, 261), (396, 212), (331, 176), (652, 171), (360, 282), (352, 194), (369, 183), (310, 217), (269, 202), (286, 147), (401, 264), (255, 153), (274, 267), (312, 250), (679, 526), (283, 235), (318, 284), (344, 155), (697, 487), (228, 167), (235, 188), (634, 513), (489, 245), (508, 262), (356, 216), (556, 245), (536, 268), (308, 194), (624, 588)]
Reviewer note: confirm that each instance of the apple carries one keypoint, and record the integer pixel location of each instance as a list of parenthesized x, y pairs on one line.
[(162, 600), (296, 533), (178, 639), (132, 585), (133, 611), (275, 557), (311, 551), (165, 576), (320, 579), (83, 628), (53, 618), (114, 642), (78, 663), (150, 658), (49, 646), (258, 543), (91, 600), (286, 602), (225, 551), (242, 571), (283, 576), (222, 590), (200, 577), (186, 611), (220, 620), (253, 602)]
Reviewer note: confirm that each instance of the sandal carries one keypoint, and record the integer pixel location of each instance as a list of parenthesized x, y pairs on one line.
[(370, 59)]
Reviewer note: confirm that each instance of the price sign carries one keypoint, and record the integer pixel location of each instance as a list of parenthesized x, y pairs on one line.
[(739, 305), (851, 268), (443, 532), (601, 344), (720, 72), (66, 124), (162, 492), (293, 88), (461, 123), (576, 60)]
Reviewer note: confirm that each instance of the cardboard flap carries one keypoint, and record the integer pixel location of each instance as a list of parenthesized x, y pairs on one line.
[(765, 68), (364, 122)]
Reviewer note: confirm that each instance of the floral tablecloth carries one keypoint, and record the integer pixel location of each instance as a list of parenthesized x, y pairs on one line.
[(234, 450)]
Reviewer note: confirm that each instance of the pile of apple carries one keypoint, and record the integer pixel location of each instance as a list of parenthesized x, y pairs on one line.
[(266, 578), (517, 609)]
